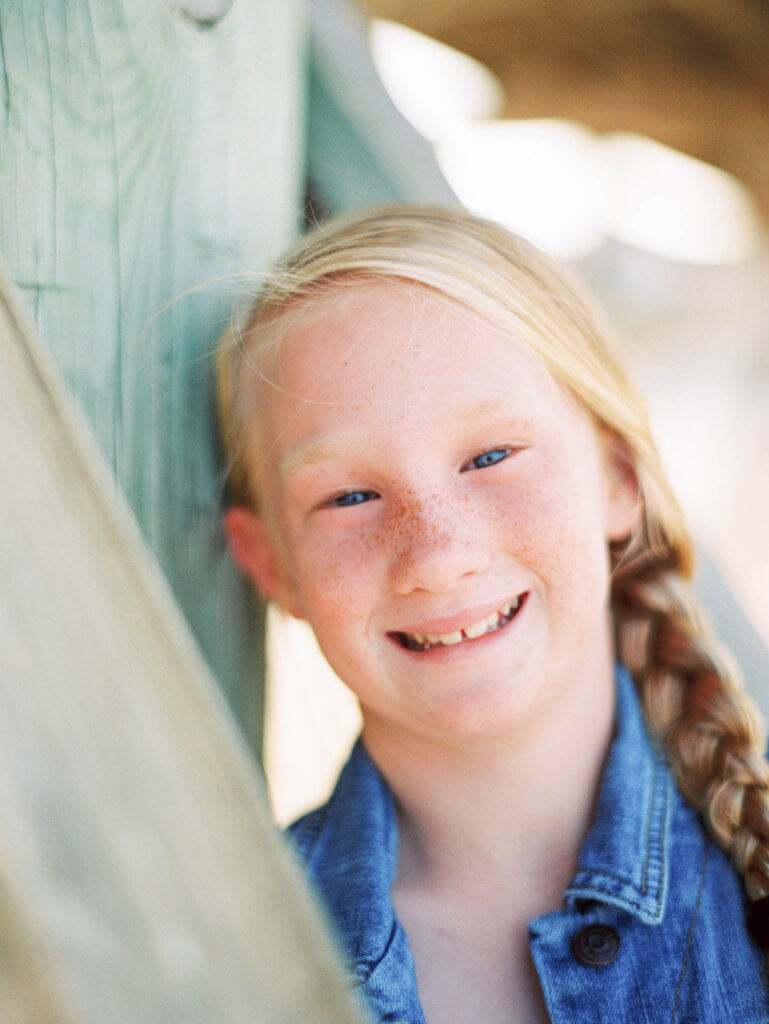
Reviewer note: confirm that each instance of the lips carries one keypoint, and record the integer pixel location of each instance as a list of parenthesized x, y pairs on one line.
[(426, 641)]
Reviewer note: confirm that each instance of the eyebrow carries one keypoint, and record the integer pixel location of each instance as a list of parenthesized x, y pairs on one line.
[(341, 446), (324, 449), (489, 407)]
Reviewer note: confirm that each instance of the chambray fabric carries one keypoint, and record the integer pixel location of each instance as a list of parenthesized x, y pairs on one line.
[(647, 869)]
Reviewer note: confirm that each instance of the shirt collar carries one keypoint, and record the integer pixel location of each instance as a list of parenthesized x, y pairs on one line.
[(625, 857), (351, 845)]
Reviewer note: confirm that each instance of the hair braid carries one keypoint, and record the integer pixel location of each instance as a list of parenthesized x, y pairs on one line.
[(694, 700)]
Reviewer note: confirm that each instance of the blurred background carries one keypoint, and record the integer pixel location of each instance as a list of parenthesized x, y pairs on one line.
[(632, 140)]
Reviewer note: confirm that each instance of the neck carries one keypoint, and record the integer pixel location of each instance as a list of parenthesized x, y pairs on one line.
[(507, 814)]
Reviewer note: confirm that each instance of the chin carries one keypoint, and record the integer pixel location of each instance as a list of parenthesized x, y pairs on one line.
[(484, 713)]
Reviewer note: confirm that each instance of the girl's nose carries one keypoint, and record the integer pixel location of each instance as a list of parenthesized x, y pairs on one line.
[(435, 552)]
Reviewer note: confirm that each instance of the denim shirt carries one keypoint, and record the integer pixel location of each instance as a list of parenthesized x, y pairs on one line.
[(673, 948)]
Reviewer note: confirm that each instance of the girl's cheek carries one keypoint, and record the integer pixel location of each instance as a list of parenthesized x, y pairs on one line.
[(548, 521), (335, 566)]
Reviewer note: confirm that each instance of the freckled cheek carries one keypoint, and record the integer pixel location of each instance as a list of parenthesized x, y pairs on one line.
[(554, 531), (338, 577)]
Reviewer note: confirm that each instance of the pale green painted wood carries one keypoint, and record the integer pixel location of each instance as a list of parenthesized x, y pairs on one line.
[(141, 879), (129, 175), (361, 152), (145, 163)]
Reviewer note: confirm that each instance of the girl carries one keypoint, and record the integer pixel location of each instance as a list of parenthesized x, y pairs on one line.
[(438, 463)]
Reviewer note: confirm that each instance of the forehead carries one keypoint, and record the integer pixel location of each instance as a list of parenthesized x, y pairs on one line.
[(369, 333), (383, 353)]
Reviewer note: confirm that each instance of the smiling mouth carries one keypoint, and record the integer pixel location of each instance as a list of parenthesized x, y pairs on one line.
[(496, 620)]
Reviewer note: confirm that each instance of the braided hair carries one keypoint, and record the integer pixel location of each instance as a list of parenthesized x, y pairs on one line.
[(694, 701)]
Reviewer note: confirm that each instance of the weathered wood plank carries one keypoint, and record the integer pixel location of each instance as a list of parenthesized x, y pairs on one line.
[(140, 878), (145, 162)]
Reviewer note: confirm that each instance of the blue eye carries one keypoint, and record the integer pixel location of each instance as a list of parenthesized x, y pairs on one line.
[(490, 458), (352, 498)]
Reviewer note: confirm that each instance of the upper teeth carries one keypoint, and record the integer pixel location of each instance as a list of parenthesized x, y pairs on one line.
[(472, 632)]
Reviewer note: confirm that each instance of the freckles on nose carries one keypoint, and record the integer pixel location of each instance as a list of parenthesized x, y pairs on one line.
[(433, 541), (425, 518)]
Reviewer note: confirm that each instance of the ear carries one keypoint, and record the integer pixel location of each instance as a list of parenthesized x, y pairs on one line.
[(258, 556), (624, 505)]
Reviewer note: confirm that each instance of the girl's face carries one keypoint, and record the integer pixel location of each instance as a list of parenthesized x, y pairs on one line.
[(437, 508)]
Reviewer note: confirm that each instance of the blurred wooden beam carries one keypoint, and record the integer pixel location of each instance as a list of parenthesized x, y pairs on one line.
[(140, 876)]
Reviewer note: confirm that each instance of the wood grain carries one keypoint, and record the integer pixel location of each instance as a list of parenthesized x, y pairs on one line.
[(147, 162)]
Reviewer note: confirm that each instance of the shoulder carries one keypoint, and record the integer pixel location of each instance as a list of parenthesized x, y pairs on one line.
[(719, 967), (347, 849), (358, 812)]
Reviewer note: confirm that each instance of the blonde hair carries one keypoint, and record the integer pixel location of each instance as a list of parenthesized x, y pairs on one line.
[(690, 690)]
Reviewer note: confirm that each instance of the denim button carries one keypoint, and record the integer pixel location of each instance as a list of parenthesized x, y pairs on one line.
[(596, 944)]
